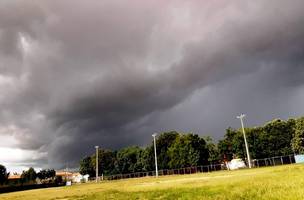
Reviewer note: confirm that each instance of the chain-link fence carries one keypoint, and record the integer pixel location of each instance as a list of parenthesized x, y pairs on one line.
[(273, 161), (256, 163)]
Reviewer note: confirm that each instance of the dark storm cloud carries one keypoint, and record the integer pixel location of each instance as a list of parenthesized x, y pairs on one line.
[(75, 74)]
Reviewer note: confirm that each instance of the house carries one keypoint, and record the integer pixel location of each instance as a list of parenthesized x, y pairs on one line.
[(78, 178), (75, 177), (14, 178), (64, 175), (236, 164)]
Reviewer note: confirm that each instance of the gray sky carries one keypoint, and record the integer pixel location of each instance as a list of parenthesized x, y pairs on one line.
[(74, 74)]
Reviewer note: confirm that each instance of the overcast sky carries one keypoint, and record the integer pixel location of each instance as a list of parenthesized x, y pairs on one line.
[(75, 74)]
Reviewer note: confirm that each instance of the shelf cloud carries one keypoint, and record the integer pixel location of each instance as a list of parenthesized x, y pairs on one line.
[(74, 74)]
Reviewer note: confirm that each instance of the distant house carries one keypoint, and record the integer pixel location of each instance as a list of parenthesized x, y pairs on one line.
[(64, 174), (75, 177), (14, 178), (78, 178)]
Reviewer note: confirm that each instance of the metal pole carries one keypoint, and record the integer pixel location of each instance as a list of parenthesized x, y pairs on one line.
[(96, 163), (156, 169), (246, 145), (265, 162)]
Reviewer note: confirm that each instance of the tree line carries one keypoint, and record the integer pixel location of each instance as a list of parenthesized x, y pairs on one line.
[(29, 177), (178, 150), (174, 150)]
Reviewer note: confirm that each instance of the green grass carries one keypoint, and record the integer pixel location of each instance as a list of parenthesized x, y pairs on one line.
[(282, 182)]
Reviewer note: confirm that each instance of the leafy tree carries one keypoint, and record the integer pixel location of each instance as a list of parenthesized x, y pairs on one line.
[(128, 160), (58, 180), (213, 151), (298, 140), (106, 161), (257, 142), (272, 139), (42, 174), (147, 159), (50, 173), (229, 146), (29, 176), (188, 150), (87, 167), (279, 134), (163, 142), (3, 174), (46, 174)]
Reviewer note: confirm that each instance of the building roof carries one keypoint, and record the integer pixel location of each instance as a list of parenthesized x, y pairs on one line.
[(62, 173), (15, 176)]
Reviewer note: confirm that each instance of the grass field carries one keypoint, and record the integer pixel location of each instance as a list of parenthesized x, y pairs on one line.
[(282, 182)]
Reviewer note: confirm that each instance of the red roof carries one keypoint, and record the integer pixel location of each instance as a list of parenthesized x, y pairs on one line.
[(15, 176)]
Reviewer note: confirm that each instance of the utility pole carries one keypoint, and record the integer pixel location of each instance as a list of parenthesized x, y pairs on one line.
[(96, 147), (156, 169), (245, 140)]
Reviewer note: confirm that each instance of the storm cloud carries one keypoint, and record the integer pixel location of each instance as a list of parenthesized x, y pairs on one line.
[(74, 74)]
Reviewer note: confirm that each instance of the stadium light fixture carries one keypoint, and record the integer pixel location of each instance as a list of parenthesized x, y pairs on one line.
[(96, 147), (245, 140), (156, 169)]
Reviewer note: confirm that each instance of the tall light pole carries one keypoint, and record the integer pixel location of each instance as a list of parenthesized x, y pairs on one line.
[(156, 169), (96, 147), (246, 145)]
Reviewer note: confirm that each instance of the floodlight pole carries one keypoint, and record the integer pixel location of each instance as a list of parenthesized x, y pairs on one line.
[(156, 169), (96, 147), (245, 140)]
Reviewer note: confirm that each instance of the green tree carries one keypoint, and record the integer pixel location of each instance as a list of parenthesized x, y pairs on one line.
[(163, 142), (277, 138), (29, 176), (42, 174), (214, 155), (46, 174), (50, 173), (3, 174), (188, 150), (231, 146), (298, 139), (147, 159), (272, 139), (87, 167), (106, 161), (128, 160)]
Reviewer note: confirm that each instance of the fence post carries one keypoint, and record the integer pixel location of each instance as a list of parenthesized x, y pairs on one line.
[(281, 160), (273, 161), (290, 159)]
